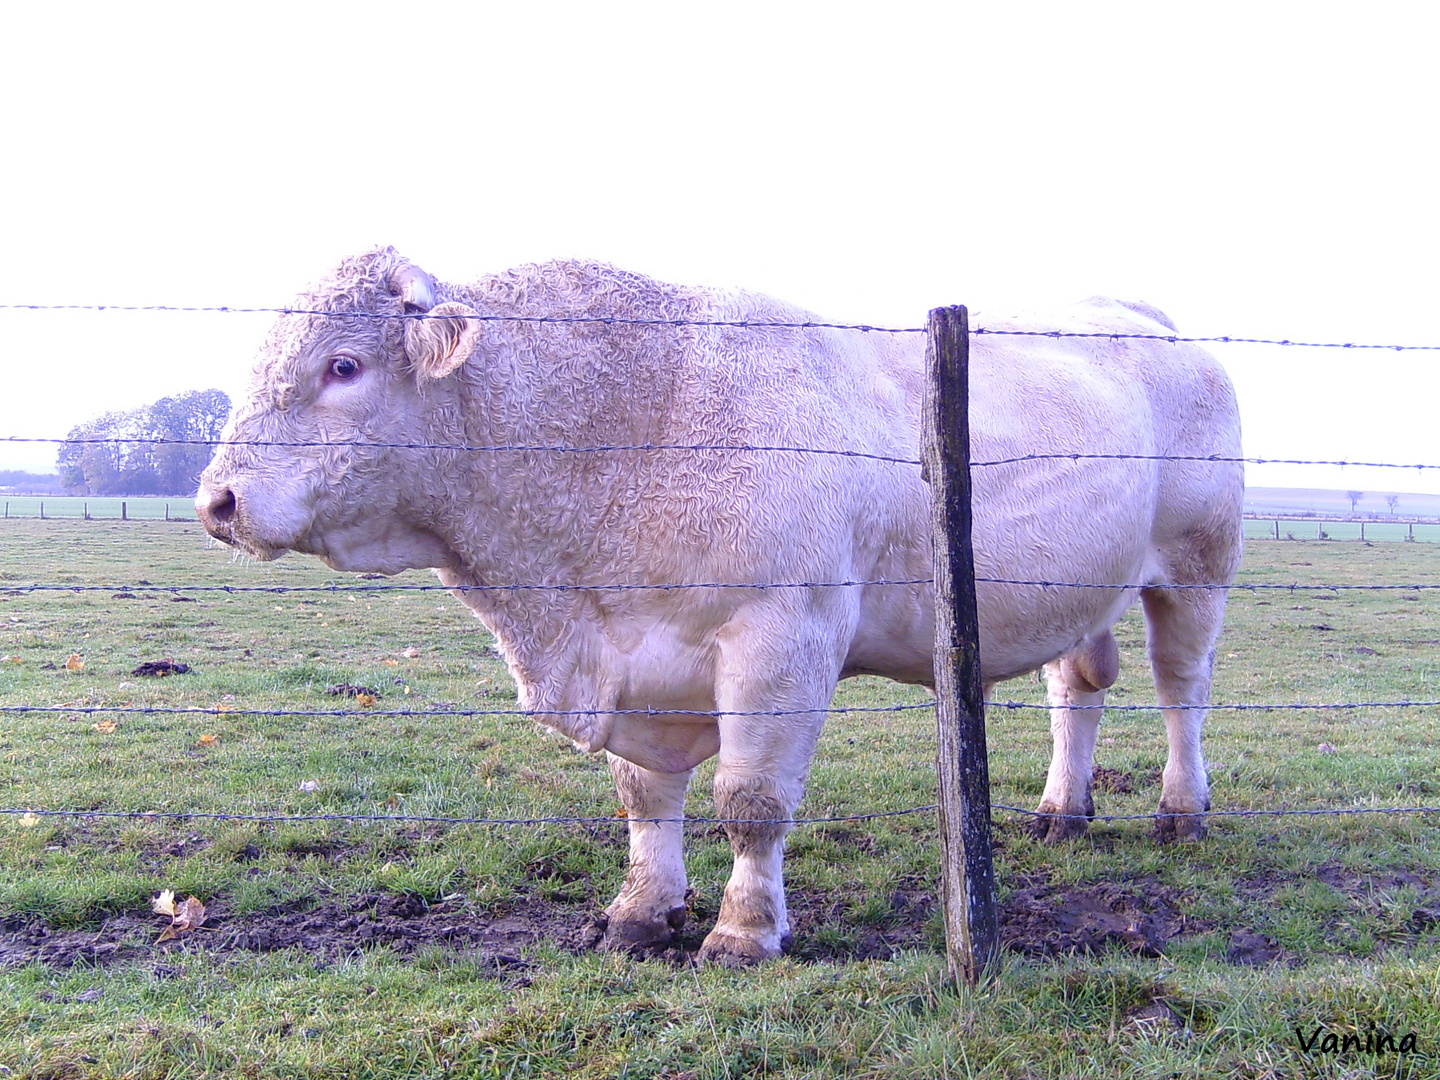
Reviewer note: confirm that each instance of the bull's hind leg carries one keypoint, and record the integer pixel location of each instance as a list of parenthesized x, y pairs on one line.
[(651, 905), (1075, 686), (1183, 626)]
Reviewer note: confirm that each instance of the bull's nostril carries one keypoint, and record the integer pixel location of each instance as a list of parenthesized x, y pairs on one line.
[(222, 507)]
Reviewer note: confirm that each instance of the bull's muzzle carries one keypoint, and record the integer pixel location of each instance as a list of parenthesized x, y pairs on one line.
[(216, 509)]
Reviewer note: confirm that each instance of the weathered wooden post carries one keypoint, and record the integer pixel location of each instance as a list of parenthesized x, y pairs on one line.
[(42, 509), (123, 516), (167, 511), (967, 876), (1277, 528), (86, 510)]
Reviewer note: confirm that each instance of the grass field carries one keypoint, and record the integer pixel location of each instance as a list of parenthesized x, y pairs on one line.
[(402, 948)]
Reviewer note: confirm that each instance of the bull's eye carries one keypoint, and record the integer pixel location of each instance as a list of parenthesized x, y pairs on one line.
[(344, 367)]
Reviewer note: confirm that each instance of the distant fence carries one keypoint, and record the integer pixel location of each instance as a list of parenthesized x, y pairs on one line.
[(1315, 527), (102, 508)]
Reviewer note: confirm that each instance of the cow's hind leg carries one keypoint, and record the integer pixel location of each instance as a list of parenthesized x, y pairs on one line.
[(651, 905), (1182, 626), (1075, 686)]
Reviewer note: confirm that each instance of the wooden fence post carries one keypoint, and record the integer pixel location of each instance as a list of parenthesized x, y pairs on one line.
[(42, 509), (123, 515), (1277, 528), (967, 876)]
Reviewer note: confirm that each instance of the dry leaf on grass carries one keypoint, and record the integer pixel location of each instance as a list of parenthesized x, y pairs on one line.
[(186, 916), (15, 659), (411, 653), (208, 740), (76, 662), (365, 700), (106, 727), (29, 820)]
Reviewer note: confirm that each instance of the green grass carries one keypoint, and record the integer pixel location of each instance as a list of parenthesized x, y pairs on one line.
[(1347, 901)]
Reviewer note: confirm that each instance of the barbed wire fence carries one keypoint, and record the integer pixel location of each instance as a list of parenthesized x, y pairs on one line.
[(179, 589)]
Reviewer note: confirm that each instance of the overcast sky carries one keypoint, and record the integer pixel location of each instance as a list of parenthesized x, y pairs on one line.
[(1254, 169)]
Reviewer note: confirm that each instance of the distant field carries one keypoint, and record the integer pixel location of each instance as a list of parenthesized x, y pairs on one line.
[(1327, 502), (142, 507)]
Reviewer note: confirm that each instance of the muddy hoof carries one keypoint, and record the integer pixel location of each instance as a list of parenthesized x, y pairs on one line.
[(638, 933), (1052, 830), (1171, 827), (734, 951)]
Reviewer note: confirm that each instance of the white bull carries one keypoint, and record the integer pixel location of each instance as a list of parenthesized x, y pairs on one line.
[(759, 664)]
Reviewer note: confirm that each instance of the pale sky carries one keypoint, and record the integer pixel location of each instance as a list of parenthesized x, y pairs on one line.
[(1254, 169)]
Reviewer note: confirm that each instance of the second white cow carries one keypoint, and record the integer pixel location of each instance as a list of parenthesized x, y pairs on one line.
[(742, 672)]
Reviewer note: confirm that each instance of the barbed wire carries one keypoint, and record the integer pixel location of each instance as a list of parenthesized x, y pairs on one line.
[(340, 590), (236, 710), (517, 448), (539, 714), (516, 587), (557, 448), (688, 820), (771, 324)]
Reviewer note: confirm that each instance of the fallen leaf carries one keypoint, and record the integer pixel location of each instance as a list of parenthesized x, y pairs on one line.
[(621, 812), (75, 663), (387, 663), (1326, 748), (411, 653), (208, 740), (186, 916), (365, 700), (393, 802), (29, 820), (309, 785), (21, 659), (106, 727)]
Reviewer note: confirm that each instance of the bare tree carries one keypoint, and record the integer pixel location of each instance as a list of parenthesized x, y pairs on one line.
[(1390, 501), (1354, 497)]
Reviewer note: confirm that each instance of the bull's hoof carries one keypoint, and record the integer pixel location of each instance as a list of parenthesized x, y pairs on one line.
[(1171, 827), (1052, 830), (635, 933), (736, 952)]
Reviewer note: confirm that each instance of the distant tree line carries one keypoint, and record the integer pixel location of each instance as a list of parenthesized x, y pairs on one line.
[(20, 482), (161, 448)]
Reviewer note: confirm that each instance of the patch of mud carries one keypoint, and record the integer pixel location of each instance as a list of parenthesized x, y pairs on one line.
[(331, 930), (1039, 918), (1143, 916), (1113, 780)]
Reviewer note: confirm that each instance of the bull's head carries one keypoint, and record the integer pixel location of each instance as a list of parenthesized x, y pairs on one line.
[(322, 458)]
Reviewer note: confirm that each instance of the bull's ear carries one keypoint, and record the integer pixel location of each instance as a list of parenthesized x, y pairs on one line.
[(441, 340)]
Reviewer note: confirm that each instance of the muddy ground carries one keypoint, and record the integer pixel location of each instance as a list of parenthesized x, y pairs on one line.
[(1039, 918)]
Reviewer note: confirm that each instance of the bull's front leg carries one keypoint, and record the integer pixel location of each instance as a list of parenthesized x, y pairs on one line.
[(759, 783), (651, 905)]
